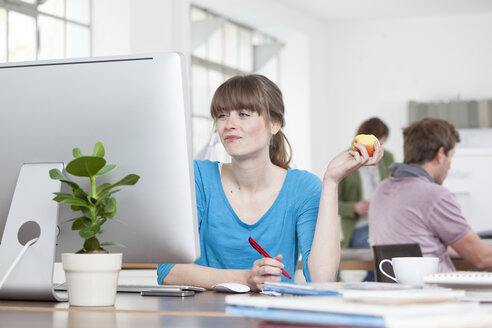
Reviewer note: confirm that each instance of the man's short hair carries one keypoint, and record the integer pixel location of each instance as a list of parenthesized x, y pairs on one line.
[(422, 139), (374, 126)]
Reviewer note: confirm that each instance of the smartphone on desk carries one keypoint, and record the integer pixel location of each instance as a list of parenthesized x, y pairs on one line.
[(167, 292)]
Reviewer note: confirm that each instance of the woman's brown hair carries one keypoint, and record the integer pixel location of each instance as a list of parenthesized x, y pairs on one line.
[(256, 93), (422, 139)]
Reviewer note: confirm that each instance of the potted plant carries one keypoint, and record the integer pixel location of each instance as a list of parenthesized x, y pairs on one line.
[(91, 273)]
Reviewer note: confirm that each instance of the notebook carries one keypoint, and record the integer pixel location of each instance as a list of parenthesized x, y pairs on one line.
[(461, 279), (477, 284)]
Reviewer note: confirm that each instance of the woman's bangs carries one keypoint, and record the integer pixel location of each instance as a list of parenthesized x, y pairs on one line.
[(235, 97)]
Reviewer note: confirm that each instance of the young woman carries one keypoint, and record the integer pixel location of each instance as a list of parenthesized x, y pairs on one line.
[(257, 195)]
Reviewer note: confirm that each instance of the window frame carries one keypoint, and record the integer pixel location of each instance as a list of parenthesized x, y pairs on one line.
[(224, 69), (32, 10)]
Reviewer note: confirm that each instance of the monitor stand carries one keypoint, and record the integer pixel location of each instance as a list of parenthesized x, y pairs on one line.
[(32, 214)]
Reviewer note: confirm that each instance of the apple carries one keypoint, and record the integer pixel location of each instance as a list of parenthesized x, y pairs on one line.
[(366, 140)]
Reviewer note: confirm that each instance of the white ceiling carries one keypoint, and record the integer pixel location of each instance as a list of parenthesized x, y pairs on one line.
[(382, 9)]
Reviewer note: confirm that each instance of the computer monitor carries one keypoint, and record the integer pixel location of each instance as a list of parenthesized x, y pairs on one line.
[(138, 107)]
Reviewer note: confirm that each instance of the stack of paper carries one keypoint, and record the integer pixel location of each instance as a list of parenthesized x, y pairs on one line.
[(372, 292), (366, 308)]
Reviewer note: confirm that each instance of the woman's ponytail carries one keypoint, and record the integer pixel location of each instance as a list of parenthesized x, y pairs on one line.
[(280, 150)]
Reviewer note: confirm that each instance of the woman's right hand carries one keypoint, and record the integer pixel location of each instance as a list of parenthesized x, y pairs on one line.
[(265, 269), (349, 161)]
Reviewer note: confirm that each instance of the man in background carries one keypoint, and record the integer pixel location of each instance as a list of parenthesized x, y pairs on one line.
[(412, 206)]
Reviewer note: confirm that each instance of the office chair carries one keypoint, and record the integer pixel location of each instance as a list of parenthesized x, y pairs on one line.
[(382, 252)]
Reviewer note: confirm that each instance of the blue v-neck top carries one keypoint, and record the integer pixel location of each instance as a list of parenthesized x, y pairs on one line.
[(287, 228)]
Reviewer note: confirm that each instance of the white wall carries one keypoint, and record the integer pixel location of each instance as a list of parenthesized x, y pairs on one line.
[(470, 168), (123, 27), (110, 27), (333, 74), (133, 26), (376, 67)]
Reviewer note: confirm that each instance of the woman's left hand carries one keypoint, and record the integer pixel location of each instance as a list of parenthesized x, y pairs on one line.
[(265, 269), (351, 160)]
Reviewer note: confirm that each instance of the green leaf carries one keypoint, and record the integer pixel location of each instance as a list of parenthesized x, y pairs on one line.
[(98, 149), (58, 199), (113, 191), (75, 208), (87, 212), (76, 152), (75, 202), (90, 231), (92, 244), (109, 205), (101, 221), (113, 212), (129, 180), (101, 187), (80, 223), (73, 185), (106, 195), (106, 169), (86, 166), (106, 207), (99, 211), (111, 243), (80, 194), (61, 196), (56, 174)]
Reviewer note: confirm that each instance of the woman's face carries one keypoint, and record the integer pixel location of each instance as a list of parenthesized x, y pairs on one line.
[(244, 133)]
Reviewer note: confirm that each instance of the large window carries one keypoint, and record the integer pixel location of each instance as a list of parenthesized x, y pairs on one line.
[(44, 29), (222, 48)]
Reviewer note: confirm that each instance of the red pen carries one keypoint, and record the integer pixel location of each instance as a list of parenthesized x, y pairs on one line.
[(260, 250)]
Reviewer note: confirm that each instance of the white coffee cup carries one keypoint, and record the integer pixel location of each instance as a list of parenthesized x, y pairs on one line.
[(411, 270)]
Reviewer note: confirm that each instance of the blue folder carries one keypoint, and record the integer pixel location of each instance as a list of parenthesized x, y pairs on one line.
[(295, 290), (307, 317)]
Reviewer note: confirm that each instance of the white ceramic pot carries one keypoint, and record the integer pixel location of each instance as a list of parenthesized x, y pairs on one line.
[(91, 278)]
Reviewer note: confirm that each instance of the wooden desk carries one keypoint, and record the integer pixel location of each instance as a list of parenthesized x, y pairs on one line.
[(131, 310), (204, 310), (362, 259)]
